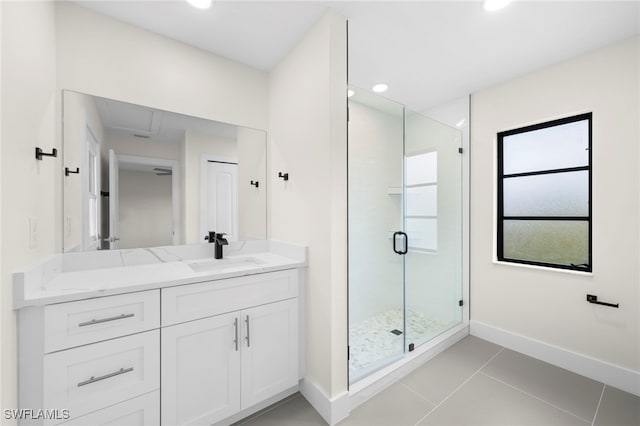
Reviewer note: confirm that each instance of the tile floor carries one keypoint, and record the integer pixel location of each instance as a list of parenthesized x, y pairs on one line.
[(477, 383)]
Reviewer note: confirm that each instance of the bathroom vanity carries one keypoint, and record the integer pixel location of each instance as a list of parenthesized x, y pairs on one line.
[(164, 335)]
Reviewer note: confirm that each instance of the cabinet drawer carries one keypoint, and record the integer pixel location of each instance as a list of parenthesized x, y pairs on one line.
[(71, 324), (193, 301), (141, 411), (92, 377)]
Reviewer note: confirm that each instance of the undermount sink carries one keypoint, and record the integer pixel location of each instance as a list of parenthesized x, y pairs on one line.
[(211, 265)]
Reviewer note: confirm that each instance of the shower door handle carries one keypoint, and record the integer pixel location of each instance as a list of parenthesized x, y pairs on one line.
[(406, 243)]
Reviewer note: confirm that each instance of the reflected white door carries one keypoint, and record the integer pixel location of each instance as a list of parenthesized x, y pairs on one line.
[(114, 221), (219, 204), (91, 190)]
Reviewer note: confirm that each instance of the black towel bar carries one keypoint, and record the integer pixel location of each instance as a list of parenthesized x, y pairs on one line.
[(40, 153), (68, 171), (592, 298)]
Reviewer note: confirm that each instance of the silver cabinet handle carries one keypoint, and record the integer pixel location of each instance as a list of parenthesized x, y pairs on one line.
[(248, 337), (106, 376), (235, 325), (98, 321)]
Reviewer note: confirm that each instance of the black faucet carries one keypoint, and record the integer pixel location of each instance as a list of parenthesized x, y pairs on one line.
[(219, 241)]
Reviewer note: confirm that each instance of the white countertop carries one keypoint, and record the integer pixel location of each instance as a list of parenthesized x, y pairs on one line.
[(75, 276)]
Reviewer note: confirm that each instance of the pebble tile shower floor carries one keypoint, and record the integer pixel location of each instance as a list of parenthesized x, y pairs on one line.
[(372, 342)]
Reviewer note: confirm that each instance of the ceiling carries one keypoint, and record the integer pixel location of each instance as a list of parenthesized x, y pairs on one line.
[(122, 118), (428, 52)]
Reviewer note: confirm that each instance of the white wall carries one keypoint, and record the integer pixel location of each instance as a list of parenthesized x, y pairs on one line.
[(549, 305), (146, 210), (101, 56), (30, 118), (252, 201), (308, 130)]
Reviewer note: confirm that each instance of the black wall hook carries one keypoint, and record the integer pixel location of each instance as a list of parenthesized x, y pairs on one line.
[(256, 183), (68, 171), (284, 176), (40, 153)]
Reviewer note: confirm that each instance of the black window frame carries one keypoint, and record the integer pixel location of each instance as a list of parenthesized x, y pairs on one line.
[(500, 187)]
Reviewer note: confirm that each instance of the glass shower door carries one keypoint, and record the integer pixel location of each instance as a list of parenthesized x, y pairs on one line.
[(433, 223), (405, 231), (376, 273)]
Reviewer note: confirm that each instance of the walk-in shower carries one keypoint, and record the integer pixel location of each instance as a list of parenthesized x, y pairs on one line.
[(405, 231)]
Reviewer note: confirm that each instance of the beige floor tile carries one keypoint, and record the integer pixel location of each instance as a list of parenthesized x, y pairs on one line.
[(444, 373), (577, 394), (395, 406), (294, 411), (618, 408), (485, 401)]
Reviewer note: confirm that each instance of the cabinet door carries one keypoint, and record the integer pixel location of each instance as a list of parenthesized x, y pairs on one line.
[(269, 350), (200, 371)]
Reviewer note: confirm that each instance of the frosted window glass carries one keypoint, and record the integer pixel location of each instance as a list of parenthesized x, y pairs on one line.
[(422, 201), (555, 242), (422, 233), (422, 168), (557, 194), (556, 147)]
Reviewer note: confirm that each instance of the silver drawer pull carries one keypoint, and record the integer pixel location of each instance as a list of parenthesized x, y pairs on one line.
[(98, 321), (106, 376)]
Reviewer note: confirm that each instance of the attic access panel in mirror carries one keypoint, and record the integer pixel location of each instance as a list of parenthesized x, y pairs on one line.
[(150, 177)]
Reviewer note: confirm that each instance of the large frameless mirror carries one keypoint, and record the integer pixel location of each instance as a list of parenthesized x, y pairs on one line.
[(141, 177)]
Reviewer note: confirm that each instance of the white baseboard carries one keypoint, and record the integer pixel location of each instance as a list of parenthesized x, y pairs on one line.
[(602, 371), (332, 410)]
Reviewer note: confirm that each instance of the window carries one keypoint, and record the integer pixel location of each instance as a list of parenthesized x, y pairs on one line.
[(544, 194), (422, 201)]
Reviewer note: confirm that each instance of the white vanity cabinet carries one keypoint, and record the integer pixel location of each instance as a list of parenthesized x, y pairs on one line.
[(196, 351), (84, 356), (218, 363)]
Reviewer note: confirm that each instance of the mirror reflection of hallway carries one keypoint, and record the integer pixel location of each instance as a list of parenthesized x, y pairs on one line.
[(143, 201)]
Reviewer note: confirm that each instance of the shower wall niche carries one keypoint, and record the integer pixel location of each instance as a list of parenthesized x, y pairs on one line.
[(405, 231)]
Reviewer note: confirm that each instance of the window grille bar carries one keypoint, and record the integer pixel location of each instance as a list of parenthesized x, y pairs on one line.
[(559, 218), (548, 172)]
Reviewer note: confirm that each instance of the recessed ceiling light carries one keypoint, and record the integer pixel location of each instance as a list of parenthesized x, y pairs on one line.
[(200, 4), (379, 88), (493, 5), (350, 93)]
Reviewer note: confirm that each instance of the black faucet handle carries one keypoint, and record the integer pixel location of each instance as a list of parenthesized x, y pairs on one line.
[(211, 237), (220, 239)]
